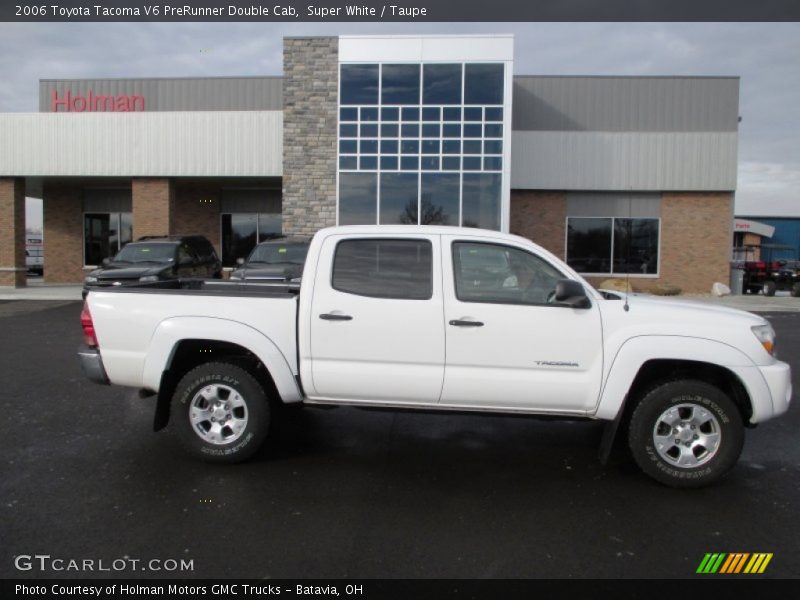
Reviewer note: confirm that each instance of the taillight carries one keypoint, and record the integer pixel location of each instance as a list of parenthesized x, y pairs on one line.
[(89, 335)]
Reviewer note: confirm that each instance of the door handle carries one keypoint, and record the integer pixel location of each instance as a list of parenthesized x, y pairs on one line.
[(335, 317), (463, 323)]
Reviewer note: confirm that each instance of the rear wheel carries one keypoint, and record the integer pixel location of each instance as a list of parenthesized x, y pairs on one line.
[(220, 412), (796, 290), (686, 433), (768, 288)]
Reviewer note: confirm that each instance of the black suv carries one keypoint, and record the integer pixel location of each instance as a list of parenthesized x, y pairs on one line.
[(157, 258), (279, 260)]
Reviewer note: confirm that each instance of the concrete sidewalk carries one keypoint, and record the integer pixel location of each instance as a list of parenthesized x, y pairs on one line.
[(37, 290)]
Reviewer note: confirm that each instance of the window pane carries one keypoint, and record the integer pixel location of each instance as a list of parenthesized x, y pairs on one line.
[(410, 147), (493, 147), (451, 163), (369, 114), (398, 199), (348, 162), (473, 114), (389, 129), (400, 84), (389, 163), (483, 84), (348, 114), (502, 275), (358, 196), (451, 147), (472, 163), (96, 238), (269, 226), (401, 269), (410, 130), (390, 114), (368, 162), (125, 228), (238, 236), (451, 114), (450, 130), (348, 130), (430, 163), (409, 163), (359, 84), (472, 147), (636, 246), (441, 84), (494, 114), (369, 146), (439, 201), (430, 146), (481, 200), (493, 130), (492, 163), (348, 146), (589, 244), (369, 130), (430, 114), (430, 130), (388, 146), (473, 131), (411, 114)]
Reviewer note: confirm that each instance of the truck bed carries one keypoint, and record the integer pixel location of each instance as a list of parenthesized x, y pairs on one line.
[(208, 287)]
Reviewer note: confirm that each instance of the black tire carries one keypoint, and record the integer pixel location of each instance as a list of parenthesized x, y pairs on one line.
[(708, 400), (222, 377), (769, 288), (795, 290)]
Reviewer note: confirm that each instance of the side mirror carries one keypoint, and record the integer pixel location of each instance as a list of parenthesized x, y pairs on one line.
[(571, 293), (240, 261), (105, 262)]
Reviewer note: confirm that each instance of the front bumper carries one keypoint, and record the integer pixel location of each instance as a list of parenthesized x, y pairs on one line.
[(92, 364), (779, 381)]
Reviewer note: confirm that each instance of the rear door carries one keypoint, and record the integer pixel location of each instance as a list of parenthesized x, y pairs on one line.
[(508, 344), (376, 327)]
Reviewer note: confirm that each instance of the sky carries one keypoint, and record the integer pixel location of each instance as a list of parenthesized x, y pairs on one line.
[(765, 55)]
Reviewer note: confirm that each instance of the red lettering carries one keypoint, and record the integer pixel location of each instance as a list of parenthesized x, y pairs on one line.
[(55, 101), (78, 104), (137, 101)]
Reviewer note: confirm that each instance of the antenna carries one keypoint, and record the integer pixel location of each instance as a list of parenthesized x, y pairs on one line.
[(627, 306)]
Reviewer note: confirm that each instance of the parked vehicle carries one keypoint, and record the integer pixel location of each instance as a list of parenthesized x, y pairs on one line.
[(34, 254), (279, 260), (777, 269), (154, 258), (395, 317)]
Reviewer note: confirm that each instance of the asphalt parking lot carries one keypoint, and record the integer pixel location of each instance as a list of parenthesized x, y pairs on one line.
[(349, 493)]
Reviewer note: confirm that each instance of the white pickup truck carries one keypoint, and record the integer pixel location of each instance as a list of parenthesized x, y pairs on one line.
[(407, 317)]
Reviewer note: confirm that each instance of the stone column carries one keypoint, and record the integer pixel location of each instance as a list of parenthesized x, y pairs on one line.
[(12, 232), (310, 119), (153, 202)]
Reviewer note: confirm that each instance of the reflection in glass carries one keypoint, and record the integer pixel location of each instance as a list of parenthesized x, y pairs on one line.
[(400, 84), (439, 199), (636, 246), (589, 244), (358, 194), (359, 84), (238, 236), (441, 84), (481, 200), (483, 84), (398, 199)]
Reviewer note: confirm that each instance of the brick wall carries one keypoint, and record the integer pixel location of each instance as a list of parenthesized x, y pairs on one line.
[(541, 217), (696, 235), (63, 234), (153, 206), (310, 117), (196, 210), (12, 232)]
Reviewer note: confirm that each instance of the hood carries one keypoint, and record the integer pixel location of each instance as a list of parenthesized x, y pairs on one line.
[(278, 272), (117, 271), (690, 310)]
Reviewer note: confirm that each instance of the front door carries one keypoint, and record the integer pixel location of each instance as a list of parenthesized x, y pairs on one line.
[(376, 327), (507, 344)]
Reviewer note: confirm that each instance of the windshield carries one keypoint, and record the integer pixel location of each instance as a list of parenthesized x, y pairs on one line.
[(274, 254), (139, 253)]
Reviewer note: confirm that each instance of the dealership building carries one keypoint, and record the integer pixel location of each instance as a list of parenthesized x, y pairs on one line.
[(617, 175)]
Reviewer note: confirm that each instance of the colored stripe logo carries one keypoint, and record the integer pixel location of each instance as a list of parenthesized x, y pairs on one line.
[(734, 563)]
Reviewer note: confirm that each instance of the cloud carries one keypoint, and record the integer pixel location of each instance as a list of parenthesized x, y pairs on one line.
[(765, 55)]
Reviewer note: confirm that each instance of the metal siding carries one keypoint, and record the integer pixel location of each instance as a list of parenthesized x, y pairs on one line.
[(181, 94), (605, 204), (214, 143), (570, 160), (626, 103)]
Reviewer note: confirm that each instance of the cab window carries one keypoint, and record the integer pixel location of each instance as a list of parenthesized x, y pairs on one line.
[(498, 274)]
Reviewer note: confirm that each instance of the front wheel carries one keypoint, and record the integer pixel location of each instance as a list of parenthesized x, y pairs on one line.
[(220, 412), (769, 288), (796, 290), (686, 433)]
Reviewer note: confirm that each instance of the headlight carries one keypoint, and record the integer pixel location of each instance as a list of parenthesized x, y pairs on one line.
[(148, 278), (766, 335), (90, 279)]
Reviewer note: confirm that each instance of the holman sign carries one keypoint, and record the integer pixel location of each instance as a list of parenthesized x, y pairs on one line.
[(91, 102)]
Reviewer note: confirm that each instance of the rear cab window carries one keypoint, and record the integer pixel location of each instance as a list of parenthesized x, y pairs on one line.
[(384, 268)]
